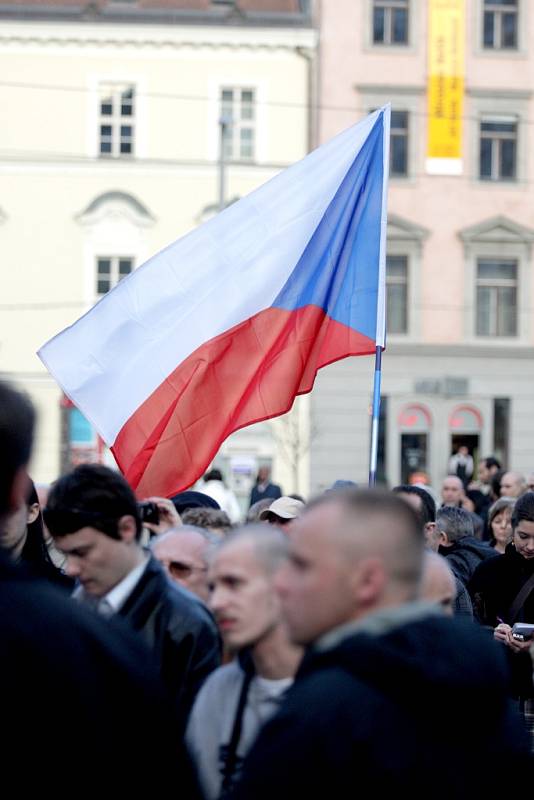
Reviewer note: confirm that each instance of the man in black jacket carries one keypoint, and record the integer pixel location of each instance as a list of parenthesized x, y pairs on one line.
[(391, 694), (77, 694), (93, 516), (458, 544)]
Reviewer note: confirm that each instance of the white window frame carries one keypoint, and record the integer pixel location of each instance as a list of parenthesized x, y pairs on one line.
[(402, 98), (114, 273), (389, 7), (494, 284), (520, 51), (141, 115), (497, 137), (404, 238), (237, 123), (409, 47), (495, 104), (235, 81), (396, 281), (116, 120), (498, 11), (497, 239)]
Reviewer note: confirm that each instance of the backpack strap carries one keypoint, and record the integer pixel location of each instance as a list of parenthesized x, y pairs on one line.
[(231, 756), (520, 599)]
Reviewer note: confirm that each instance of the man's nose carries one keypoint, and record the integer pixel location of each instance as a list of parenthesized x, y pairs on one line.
[(72, 567)]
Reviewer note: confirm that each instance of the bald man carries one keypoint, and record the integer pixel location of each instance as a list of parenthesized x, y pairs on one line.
[(183, 552), (513, 484), (385, 676)]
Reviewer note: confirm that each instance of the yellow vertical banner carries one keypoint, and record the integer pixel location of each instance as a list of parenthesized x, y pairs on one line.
[(446, 74)]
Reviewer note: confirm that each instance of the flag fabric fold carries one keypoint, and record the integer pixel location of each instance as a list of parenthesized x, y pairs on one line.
[(226, 326)]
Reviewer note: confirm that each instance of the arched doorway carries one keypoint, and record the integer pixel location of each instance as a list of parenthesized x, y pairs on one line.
[(414, 423)]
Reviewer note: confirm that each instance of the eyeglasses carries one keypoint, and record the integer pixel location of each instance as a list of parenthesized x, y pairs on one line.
[(179, 569)]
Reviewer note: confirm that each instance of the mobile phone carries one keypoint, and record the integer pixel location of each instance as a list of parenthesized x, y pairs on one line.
[(523, 631)]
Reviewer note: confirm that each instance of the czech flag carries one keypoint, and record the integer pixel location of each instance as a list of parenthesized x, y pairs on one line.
[(227, 325)]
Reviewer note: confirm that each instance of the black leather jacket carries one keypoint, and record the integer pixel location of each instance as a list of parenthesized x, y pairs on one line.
[(179, 631)]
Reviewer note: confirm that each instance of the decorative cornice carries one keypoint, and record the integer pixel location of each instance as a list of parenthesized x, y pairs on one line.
[(115, 203), (497, 229)]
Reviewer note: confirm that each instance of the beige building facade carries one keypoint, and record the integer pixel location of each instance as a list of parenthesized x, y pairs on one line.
[(459, 366), (109, 150)]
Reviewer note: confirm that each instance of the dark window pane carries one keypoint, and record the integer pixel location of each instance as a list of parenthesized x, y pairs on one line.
[(483, 310), (397, 310), (105, 147), (126, 131), (396, 266), (506, 311), (485, 158), (103, 286), (105, 130), (508, 159), (501, 270), (399, 120), (127, 103), (399, 155), (489, 28), (378, 24), (509, 30), (227, 95), (125, 266), (400, 26), (106, 107), (498, 127), (126, 147), (104, 266)]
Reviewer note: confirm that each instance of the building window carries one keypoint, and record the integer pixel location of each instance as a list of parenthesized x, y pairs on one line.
[(238, 108), (496, 297), (397, 294), (116, 120), (390, 22), (500, 24), (110, 270), (398, 158), (498, 150)]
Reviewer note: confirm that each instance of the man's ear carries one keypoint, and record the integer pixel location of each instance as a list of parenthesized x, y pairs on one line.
[(369, 581), (127, 529)]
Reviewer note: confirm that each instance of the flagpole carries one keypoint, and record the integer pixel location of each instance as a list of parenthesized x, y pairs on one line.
[(373, 460)]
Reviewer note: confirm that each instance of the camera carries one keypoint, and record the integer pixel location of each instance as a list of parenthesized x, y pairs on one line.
[(149, 512), (523, 631)]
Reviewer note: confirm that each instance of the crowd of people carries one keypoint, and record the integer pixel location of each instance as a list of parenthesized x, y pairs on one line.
[(365, 638)]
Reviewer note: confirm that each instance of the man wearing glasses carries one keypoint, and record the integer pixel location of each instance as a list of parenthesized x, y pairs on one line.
[(183, 553)]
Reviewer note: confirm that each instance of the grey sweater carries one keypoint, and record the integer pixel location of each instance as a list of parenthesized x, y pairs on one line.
[(212, 719)]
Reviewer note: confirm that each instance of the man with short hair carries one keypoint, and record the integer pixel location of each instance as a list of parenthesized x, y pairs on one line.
[(423, 503), (390, 689), (513, 484), (183, 553), (55, 655), (238, 698), (263, 488), (452, 491), (487, 468), (93, 516), (457, 542)]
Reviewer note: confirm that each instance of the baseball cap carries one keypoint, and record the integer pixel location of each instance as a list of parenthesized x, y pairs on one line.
[(284, 507)]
